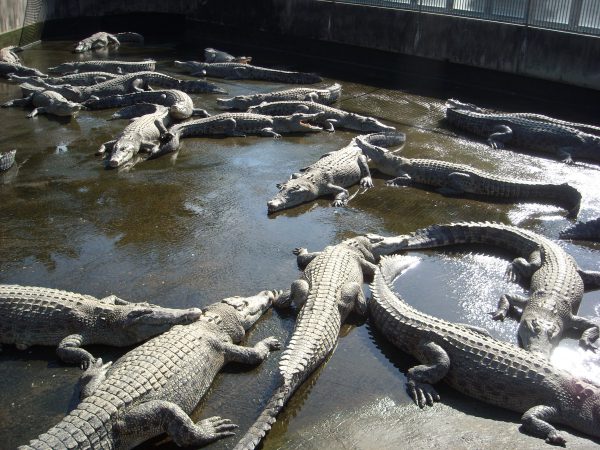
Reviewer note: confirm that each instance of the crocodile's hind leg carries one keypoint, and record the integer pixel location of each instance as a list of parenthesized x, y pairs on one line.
[(458, 183), (500, 137), (69, 350), (589, 332), (303, 257), (535, 422), (353, 297), (155, 417), (421, 377), (591, 279), (297, 296)]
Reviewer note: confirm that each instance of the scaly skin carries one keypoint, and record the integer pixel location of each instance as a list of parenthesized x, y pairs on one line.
[(556, 282), (8, 55), (587, 231), (329, 117), (236, 124), (325, 96), (212, 55), (7, 68), (480, 366), (238, 71), (119, 67), (103, 39), (331, 174), (7, 159), (46, 102), (562, 141), (40, 316), (459, 179), (329, 289), (154, 387), (75, 79)]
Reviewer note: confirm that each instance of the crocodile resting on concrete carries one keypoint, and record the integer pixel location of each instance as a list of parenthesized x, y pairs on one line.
[(562, 141), (325, 96), (458, 179), (119, 67), (329, 117), (153, 388), (587, 231), (46, 102), (74, 79), (7, 68), (179, 103), (103, 39), (40, 316), (330, 288), (332, 174), (556, 282), (212, 55), (9, 55), (475, 364), (7, 159), (237, 71), (236, 124)]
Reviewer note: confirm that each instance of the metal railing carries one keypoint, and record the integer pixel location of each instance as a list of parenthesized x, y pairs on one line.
[(33, 22), (580, 16)]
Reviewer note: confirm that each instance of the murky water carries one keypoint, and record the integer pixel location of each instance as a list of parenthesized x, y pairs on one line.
[(190, 229)]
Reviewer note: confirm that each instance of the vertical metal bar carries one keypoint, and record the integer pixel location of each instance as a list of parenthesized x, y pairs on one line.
[(449, 5), (575, 13)]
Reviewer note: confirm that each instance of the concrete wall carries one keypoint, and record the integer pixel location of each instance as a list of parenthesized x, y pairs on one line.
[(12, 16)]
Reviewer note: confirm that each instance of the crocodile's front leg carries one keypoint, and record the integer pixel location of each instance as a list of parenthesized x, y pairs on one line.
[(106, 147), (500, 137), (160, 416), (506, 302), (403, 179), (36, 111), (269, 132), (535, 422), (298, 295), (421, 377), (523, 269), (113, 300), (365, 175), (589, 332), (303, 257), (92, 377), (564, 154), (458, 183), (249, 355), (69, 350)]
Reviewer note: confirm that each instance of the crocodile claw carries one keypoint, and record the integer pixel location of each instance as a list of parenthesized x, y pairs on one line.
[(366, 182), (339, 203), (422, 393), (587, 344), (555, 438), (298, 250)]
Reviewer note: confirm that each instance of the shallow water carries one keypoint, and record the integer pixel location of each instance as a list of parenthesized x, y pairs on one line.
[(189, 229)]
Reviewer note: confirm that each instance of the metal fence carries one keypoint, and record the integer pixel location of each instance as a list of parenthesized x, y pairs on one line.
[(581, 16), (33, 23)]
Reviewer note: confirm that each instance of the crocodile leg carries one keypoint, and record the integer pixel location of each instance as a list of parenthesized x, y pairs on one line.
[(475, 328), (522, 269), (501, 135), (114, 300), (458, 183), (160, 416), (36, 111), (269, 132), (303, 257), (250, 355), (564, 153), (535, 423), (403, 179), (591, 279), (506, 302), (352, 295), (421, 377), (298, 294), (92, 377), (113, 40), (589, 332), (365, 175), (70, 352), (368, 268), (107, 146)]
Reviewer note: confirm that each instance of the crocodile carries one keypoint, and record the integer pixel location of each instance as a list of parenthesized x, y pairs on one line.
[(458, 179), (329, 117), (103, 39), (236, 124), (237, 71), (331, 174), (141, 134), (212, 55), (7, 68), (556, 282), (41, 316), (154, 388), (46, 102), (75, 79), (179, 103), (474, 363), (129, 83), (9, 55), (587, 231), (7, 159), (326, 96), (119, 67), (330, 288), (563, 142)]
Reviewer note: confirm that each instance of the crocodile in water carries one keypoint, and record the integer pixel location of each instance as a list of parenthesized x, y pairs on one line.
[(74, 79), (119, 67), (325, 96), (212, 55), (7, 68), (154, 388), (46, 102), (103, 39), (586, 231)]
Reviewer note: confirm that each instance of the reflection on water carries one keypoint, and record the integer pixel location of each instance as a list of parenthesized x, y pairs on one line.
[(192, 228)]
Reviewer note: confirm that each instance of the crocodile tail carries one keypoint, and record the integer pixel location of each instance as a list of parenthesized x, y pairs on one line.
[(571, 199), (130, 37), (267, 418)]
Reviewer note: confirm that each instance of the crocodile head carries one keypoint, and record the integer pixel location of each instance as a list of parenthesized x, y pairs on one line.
[(122, 152), (63, 68), (382, 245), (292, 193), (240, 102), (142, 321), (296, 123), (361, 123), (83, 46), (238, 314), (65, 108), (539, 334)]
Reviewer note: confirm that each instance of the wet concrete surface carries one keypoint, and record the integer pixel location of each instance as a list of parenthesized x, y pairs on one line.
[(189, 229)]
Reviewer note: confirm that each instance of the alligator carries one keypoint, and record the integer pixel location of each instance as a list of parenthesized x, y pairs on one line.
[(556, 282), (587, 231), (329, 117), (154, 388), (133, 82), (75, 79), (458, 179), (179, 103), (7, 159), (7, 69), (331, 174), (41, 316), (326, 96), (141, 134), (103, 39), (562, 141), (330, 288), (120, 67), (9, 55), (212, 55), (236, 124), (237, 71), (476, 364), (46, 102)]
